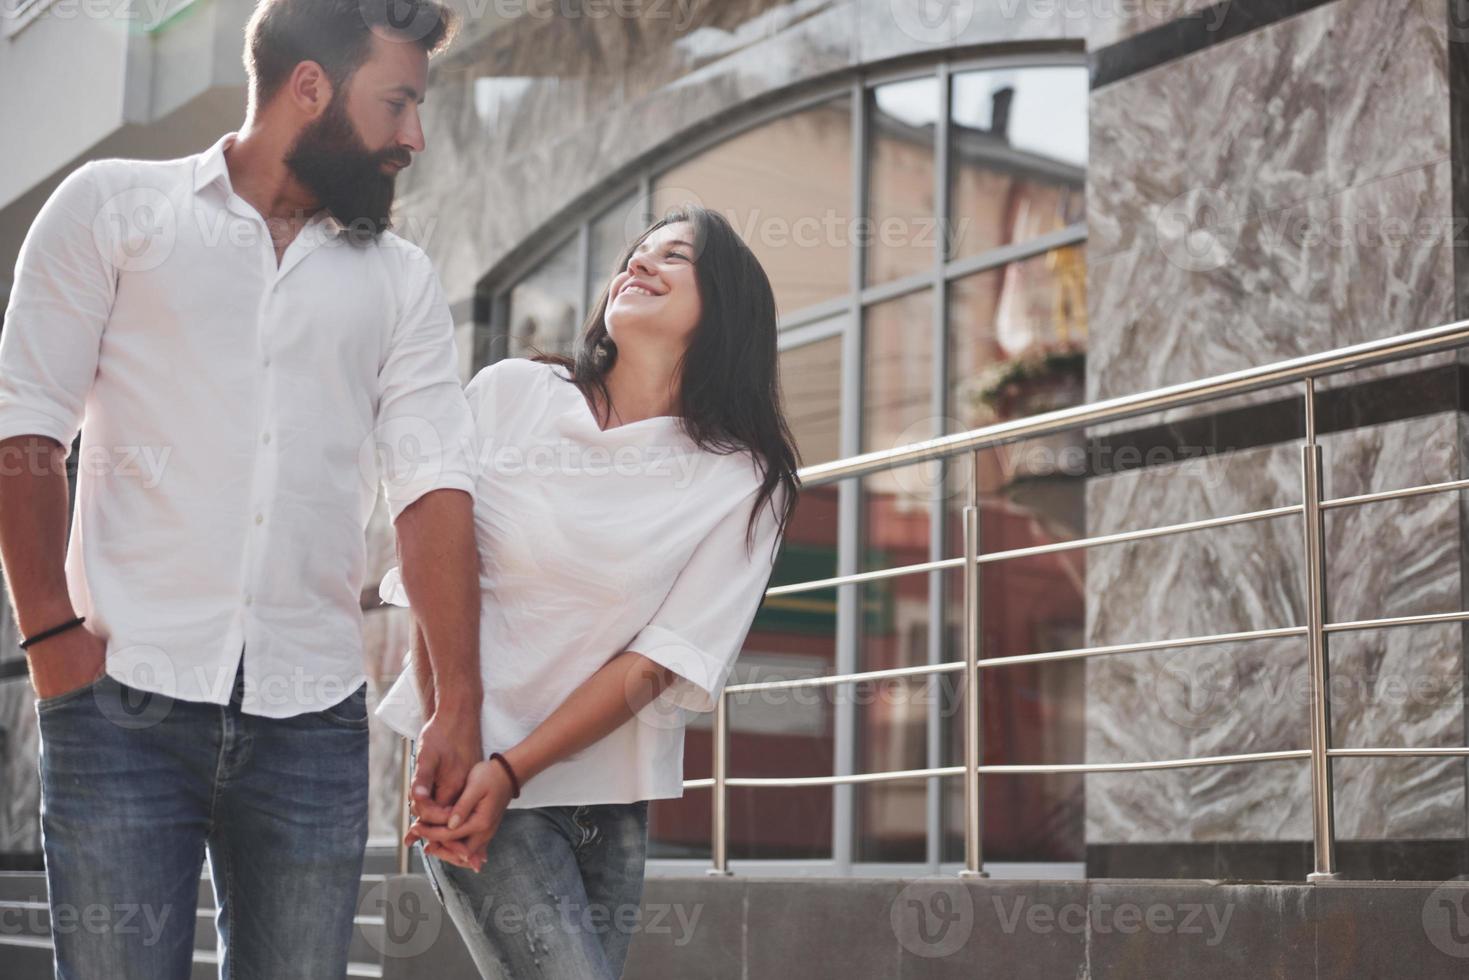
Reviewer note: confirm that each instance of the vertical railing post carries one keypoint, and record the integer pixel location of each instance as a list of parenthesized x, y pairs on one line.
[(1323, 829), (720, 803), (405, 763), (973, 797)]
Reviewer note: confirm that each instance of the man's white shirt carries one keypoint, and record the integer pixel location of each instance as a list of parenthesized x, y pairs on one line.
[(236, 417)]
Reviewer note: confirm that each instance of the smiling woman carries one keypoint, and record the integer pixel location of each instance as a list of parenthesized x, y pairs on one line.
[(618, 586)]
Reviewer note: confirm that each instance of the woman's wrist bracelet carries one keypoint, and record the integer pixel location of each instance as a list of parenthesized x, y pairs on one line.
[(509, 771), (48, 633)]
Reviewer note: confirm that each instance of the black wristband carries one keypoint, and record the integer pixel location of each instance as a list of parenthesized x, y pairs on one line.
[(47, 634), (509, 771)]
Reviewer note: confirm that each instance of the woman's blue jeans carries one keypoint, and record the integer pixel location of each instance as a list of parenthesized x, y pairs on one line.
[(560, 894)]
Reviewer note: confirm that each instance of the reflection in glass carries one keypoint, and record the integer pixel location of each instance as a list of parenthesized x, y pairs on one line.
[(1017, 339), (897, 410), (811, 392), (902, 230), (892, 718), (785, 732), (1029, 714), (1018, 152), (544, 305), (897, 372), (786, 187), (611, 234)]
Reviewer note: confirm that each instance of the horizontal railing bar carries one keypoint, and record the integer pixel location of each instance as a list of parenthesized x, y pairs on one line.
[(1120, 537), (828, 680), (1203, 760), (1369, 498), (1145, 646), (1422, 619), (1411, 344), (1282, 755), (863, 777), (1001, 770), (896, 571), (1142, 646), (1432, 750)]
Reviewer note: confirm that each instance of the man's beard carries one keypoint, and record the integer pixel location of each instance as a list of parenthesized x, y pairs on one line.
[(331, 161)]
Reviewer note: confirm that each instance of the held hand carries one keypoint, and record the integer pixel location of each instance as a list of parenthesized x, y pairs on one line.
[(448, 748), (67, 661), (473, 819)]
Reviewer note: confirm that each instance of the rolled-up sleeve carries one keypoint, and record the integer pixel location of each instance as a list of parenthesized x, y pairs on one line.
[(702, 624), (424, 430), (59, 306)]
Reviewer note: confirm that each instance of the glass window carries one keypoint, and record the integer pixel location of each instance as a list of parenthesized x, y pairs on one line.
[(1031, 713), (611, 234), (811, 393), (1018, 153), (544, 305), (786, 186), (893, 625), (1017, 339), (897, 372), (901, 230)]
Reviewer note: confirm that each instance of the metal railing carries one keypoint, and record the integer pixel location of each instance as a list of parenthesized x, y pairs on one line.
[(1304, 371)]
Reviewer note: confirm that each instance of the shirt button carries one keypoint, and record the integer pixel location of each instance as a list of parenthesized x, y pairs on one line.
[(259, 518), (265, 438), (265, 361), (249, 600)]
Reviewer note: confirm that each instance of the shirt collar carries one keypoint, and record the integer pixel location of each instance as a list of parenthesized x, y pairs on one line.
[(210, 168)]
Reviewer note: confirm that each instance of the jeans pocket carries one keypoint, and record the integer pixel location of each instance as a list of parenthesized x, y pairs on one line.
[(350, 712), (44, 705)]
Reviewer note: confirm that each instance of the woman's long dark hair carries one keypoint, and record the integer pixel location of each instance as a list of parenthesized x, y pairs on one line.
[(729, 392)]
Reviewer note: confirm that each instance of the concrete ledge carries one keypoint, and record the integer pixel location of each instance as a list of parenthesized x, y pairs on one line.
[(933, 928)]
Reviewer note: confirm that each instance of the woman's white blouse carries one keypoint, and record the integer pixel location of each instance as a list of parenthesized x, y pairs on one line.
[(592, 543)]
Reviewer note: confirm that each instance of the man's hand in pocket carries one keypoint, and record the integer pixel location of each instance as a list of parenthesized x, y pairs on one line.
[(67, 661)]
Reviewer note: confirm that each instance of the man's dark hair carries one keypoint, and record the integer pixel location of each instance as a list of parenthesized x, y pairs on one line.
[(336, 34)]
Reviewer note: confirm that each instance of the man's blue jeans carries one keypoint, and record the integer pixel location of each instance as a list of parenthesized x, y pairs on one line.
[(135, 787)]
